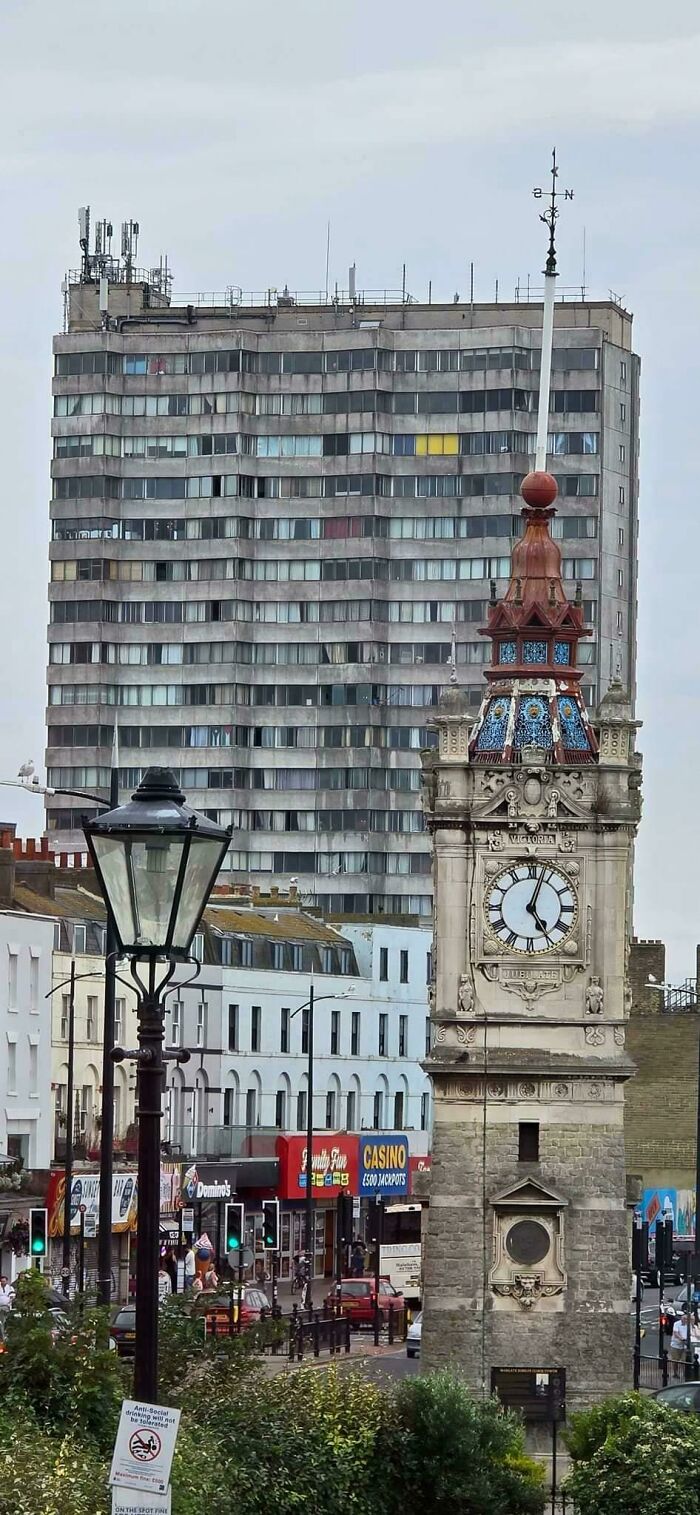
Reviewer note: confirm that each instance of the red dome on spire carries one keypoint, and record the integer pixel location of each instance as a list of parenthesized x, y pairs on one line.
[(539, 489)]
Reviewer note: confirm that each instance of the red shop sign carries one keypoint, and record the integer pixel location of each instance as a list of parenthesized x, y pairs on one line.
[(417, 1165), (334, 1159)]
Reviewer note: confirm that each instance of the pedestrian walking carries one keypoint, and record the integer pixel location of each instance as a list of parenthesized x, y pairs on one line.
[(165, 1287), (679, 1338), (357, 1260), (7, 1293), (190, 1268)]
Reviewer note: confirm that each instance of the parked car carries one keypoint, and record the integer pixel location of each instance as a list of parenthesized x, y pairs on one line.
[(356, 1298), (414, 1336), (681, 1396), (123, 1330), (216, 1308)]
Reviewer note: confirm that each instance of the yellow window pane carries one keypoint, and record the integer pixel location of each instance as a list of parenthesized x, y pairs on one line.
[(435, 442), (421, 446), (451, 441)]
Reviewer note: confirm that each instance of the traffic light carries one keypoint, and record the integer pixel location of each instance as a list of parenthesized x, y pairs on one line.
[(235, 1226), (640, 1245), (38, 1232), (663, 1244), (344, 1212), (271, 1224)]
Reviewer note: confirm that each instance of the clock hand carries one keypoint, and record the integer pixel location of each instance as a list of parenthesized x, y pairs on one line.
[(531, 907)]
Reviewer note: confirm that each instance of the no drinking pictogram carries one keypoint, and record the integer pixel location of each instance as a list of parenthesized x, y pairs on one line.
[(144, 1445), (143, 1451)]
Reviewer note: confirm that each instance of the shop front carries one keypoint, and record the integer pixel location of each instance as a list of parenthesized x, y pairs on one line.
[(334, 1159), (206, 1189), (85, 1206)]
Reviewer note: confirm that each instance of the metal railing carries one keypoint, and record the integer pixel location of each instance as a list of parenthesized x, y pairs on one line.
[(322, 1331), (234, 1142)]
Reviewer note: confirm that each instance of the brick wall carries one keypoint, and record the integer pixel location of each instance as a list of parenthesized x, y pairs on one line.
[(661, 1100)]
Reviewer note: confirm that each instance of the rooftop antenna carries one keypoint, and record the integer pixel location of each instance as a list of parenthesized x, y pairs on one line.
[(84, 235), (130, 239), (328, 253), (550, 217)]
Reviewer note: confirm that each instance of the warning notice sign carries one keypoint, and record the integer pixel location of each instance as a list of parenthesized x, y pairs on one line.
[(143, 1451)]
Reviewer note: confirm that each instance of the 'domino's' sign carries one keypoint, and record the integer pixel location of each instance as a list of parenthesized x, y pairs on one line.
[(383, 1164)]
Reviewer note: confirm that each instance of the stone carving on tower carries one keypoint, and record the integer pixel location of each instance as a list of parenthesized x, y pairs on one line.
[(532, 810)]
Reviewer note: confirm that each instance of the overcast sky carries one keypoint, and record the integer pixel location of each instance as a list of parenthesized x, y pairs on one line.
[(233, 132)]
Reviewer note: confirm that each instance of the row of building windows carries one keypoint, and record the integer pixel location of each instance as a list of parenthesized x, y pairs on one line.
[(334, 780), (409, 822), (383, 486), (395, 864), (174, 654), (339, 444), (244, 527), (291, 529), (329, 361), (338, 570), (270, 655), (420, 402), (304, 738)]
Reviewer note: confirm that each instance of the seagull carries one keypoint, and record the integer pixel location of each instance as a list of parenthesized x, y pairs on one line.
[(26, 770)]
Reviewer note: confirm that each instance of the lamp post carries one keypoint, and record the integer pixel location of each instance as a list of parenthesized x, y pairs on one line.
[(309, 1005), (155, 861)]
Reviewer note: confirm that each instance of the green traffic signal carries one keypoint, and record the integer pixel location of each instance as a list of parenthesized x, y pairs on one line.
[(38, 1231), (234, 1227)]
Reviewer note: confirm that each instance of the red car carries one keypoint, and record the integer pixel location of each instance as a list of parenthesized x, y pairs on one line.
[(217, 1309), (356, 1297)]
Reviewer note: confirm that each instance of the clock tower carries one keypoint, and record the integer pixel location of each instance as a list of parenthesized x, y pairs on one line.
[(533, 811)]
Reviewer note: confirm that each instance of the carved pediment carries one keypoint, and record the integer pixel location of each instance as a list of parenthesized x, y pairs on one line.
[(528, 1193)]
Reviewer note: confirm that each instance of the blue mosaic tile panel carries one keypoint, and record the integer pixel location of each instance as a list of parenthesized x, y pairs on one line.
[(533, 726), (573, 731), (562, 653), (492, 736), (506, 652), (534, 652)]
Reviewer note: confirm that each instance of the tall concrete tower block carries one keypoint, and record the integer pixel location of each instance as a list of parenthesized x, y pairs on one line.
[(533, 812)]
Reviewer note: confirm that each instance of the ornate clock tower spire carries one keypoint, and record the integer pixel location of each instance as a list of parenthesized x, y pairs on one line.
[(533, 813)]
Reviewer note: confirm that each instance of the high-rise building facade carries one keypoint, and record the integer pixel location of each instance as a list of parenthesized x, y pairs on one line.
[(272, 522)]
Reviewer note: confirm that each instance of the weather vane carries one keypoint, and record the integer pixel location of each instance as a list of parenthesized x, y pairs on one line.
[(551, 214)]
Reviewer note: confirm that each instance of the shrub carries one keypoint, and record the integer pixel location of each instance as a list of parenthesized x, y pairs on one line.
[(67, 1376), (445, 1451), (41, 1475), (634, 1454)]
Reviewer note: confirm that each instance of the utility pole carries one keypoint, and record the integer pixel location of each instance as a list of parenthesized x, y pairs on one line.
[(104, 1232), (68, 1164)]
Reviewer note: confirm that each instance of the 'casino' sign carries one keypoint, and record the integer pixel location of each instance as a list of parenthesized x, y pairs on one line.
[(383, 1165)]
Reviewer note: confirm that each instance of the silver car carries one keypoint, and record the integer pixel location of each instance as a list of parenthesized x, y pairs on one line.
[(413, 1337)]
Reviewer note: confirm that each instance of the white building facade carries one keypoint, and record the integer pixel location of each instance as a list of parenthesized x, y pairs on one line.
[(26, 946), (247, 1032)]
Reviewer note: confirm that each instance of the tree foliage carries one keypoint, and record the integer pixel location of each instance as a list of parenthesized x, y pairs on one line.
[(316, 1440), (631, 1454)]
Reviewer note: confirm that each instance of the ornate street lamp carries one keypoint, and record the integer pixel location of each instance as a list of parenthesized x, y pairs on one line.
[(156, 860)]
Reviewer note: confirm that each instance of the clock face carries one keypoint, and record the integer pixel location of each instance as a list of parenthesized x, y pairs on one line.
[(531, 907)]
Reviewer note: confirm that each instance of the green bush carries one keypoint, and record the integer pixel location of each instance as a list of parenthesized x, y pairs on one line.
[(67, 1376), (45, 1475), (634, 1454), (455, 1455)]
